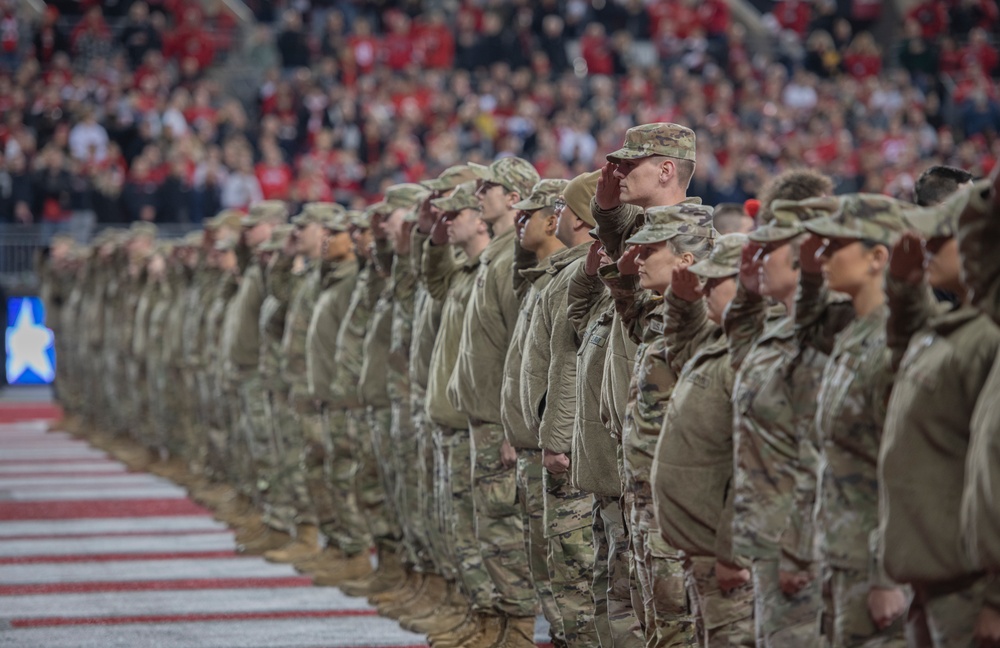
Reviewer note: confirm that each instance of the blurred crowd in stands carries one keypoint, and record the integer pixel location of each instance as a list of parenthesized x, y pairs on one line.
[(121, 109)]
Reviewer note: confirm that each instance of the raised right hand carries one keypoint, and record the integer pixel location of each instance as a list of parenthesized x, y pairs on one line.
[(608, 188), (907, 261)]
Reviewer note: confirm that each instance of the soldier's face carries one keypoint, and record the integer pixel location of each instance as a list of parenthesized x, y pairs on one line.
[(362, 238), (339, 246), (540, 227), (656, 263), (718, 294), (848, 265), (493, 201), (639, 179), (463, 226), (944, 267), (566, 221), (258, 234), (310, 240), (779, 276)]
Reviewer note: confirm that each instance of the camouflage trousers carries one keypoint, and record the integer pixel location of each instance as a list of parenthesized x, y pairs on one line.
[(405, 457), (945, 615), (418, 496), (159, 408), (659, 571), (435, 491), (107, 398), (784, 621), (460, 518), (531, 494), (285, 482), (567, 517), (723, 619), (498, 524), (252, 444), (369, 483), (846, 610), (191, 423), (383, 461), (347, 528), (614, 617), (137, 421)]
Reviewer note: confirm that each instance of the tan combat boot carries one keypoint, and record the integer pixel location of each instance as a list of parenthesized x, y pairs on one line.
[(395, 596), (306, 544), (318, 562), (387, 575), (429, 600), (491, 631), (519, 632), (452, 613), (352, 568), (270, 539), (468, 629)]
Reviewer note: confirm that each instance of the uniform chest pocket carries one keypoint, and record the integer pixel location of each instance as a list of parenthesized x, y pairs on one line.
[(839, 395)]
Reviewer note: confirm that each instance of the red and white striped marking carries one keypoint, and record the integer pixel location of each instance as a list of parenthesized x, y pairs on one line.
[(92, 555)]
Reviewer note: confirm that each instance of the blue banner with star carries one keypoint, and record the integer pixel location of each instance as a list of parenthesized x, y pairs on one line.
[(31, 353)]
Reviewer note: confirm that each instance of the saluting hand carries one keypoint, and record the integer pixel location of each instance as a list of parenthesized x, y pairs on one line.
[(750, 262), (627, 263), (608, 188), (686, 285), (907, 261), (439, 232), (808, 251), (425, 217), (593, 262)]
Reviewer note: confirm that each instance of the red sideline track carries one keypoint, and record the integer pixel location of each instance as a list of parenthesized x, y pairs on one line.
[(155, 585)]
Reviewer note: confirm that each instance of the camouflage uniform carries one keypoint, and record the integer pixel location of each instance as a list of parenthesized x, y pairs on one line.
[(426, 320), (523, 438), (595, 469), (568, 510), (216, 390), (140, 418), (283, 290), (475, 389), (978, 237), (450, 282), (658, 567), (693, 467), (776, 448), (162, 411), (945, 360), (250, 439), (849, 418)]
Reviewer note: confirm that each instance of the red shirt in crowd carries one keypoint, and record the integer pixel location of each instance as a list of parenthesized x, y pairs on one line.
[(365, 50), (932, 15), (793, 14), (435, 45), (597, 53), (275, 181)]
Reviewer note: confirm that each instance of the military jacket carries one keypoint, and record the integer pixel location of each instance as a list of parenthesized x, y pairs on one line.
[(476, 384), (241, 334), (293, 358), (349, 357), (426, 319)]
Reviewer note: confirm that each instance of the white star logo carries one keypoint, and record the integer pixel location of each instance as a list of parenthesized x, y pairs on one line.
[(28, 344)]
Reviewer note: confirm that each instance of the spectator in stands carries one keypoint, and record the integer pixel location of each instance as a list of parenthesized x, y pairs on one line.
[(273, 174), (292, 47), (49, 38), (91, 39), (241, 189), (139, 36), (88, 139)]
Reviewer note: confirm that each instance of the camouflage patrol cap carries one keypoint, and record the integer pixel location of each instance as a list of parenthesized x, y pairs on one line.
[(267, 210), (662, 138), (464, 197), (327, 214), (578, 194), (787, 217), (142, 228), (226, 244), (193, 239), (361, 219), (401, 196), (664, 223), (941, 221), (865, 217), (279, 237), (543, 194), (228, 218), (512, 173), (724, 260), (451, 178)]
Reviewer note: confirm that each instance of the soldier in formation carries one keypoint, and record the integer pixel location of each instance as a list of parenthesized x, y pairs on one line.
[(491, 398)]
